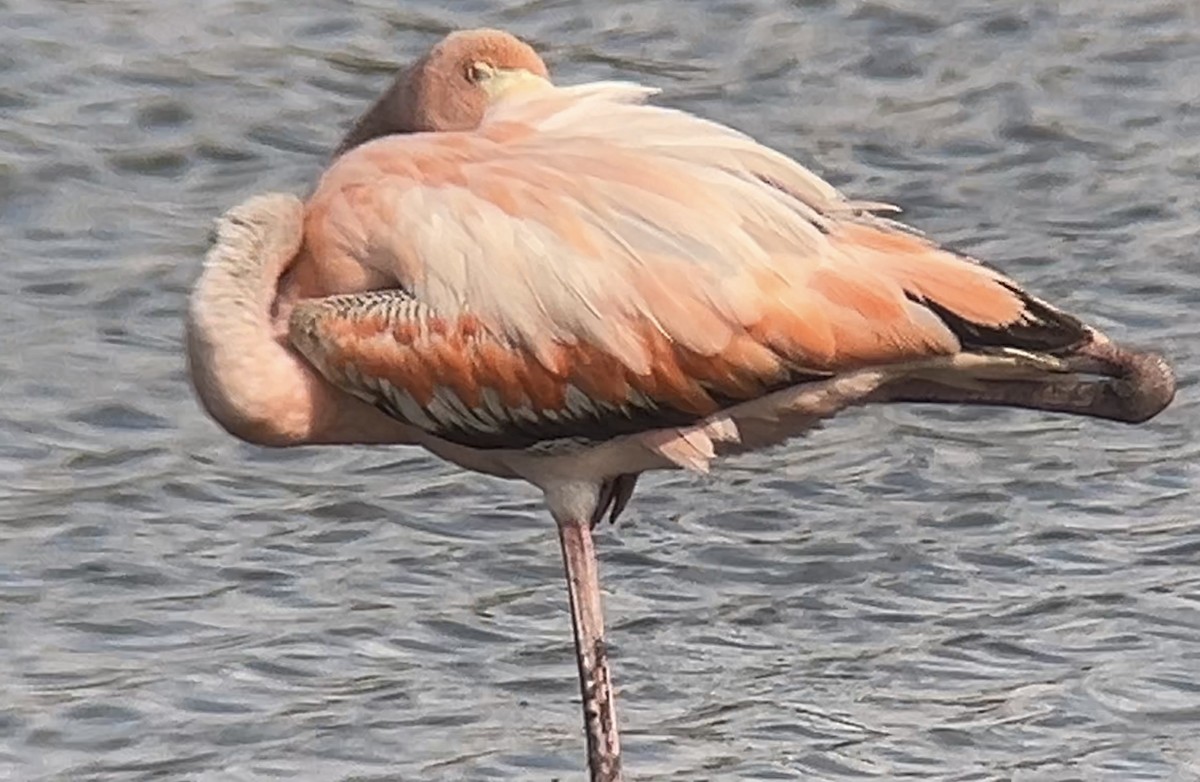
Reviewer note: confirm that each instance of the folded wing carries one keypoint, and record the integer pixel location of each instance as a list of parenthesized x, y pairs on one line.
[(586, 265)]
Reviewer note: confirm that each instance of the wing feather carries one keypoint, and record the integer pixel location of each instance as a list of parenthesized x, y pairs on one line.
[(455, 379), (617, 260)]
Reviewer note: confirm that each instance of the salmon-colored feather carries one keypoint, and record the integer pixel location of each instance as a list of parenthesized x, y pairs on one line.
[(974, 291), (611, 254)]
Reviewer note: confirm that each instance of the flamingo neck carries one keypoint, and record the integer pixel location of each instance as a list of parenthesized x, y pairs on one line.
[(241, 367)]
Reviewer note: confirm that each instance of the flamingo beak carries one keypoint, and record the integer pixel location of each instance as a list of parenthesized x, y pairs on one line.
[(504, 82)]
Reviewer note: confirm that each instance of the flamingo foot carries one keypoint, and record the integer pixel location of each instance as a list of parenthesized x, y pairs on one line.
[(1102, 380)]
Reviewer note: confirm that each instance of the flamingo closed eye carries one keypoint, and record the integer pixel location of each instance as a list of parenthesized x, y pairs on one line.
[(572, 286)]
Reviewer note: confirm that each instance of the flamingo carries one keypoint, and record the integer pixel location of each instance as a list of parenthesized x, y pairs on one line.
[(570, 286)]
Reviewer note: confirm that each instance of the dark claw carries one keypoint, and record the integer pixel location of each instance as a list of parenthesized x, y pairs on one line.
[(607, 493), (614, 494), (623, 486)]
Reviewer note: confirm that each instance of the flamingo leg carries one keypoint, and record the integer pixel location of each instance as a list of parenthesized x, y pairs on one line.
[(595, 681)]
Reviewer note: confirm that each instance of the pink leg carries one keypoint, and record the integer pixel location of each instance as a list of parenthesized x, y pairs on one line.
[(599, 708)]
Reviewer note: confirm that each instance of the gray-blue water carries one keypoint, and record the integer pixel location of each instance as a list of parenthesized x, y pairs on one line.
[(934, 594)]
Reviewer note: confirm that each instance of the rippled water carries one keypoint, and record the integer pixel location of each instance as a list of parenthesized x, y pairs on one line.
[(929, 593)]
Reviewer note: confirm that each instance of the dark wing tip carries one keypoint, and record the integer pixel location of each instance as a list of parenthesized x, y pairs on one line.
[(1042, 328)]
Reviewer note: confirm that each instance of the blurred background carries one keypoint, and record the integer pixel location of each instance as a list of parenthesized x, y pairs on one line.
[(937, 593)]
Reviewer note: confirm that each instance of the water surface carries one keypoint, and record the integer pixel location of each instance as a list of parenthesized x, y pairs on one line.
[(935, 594)]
